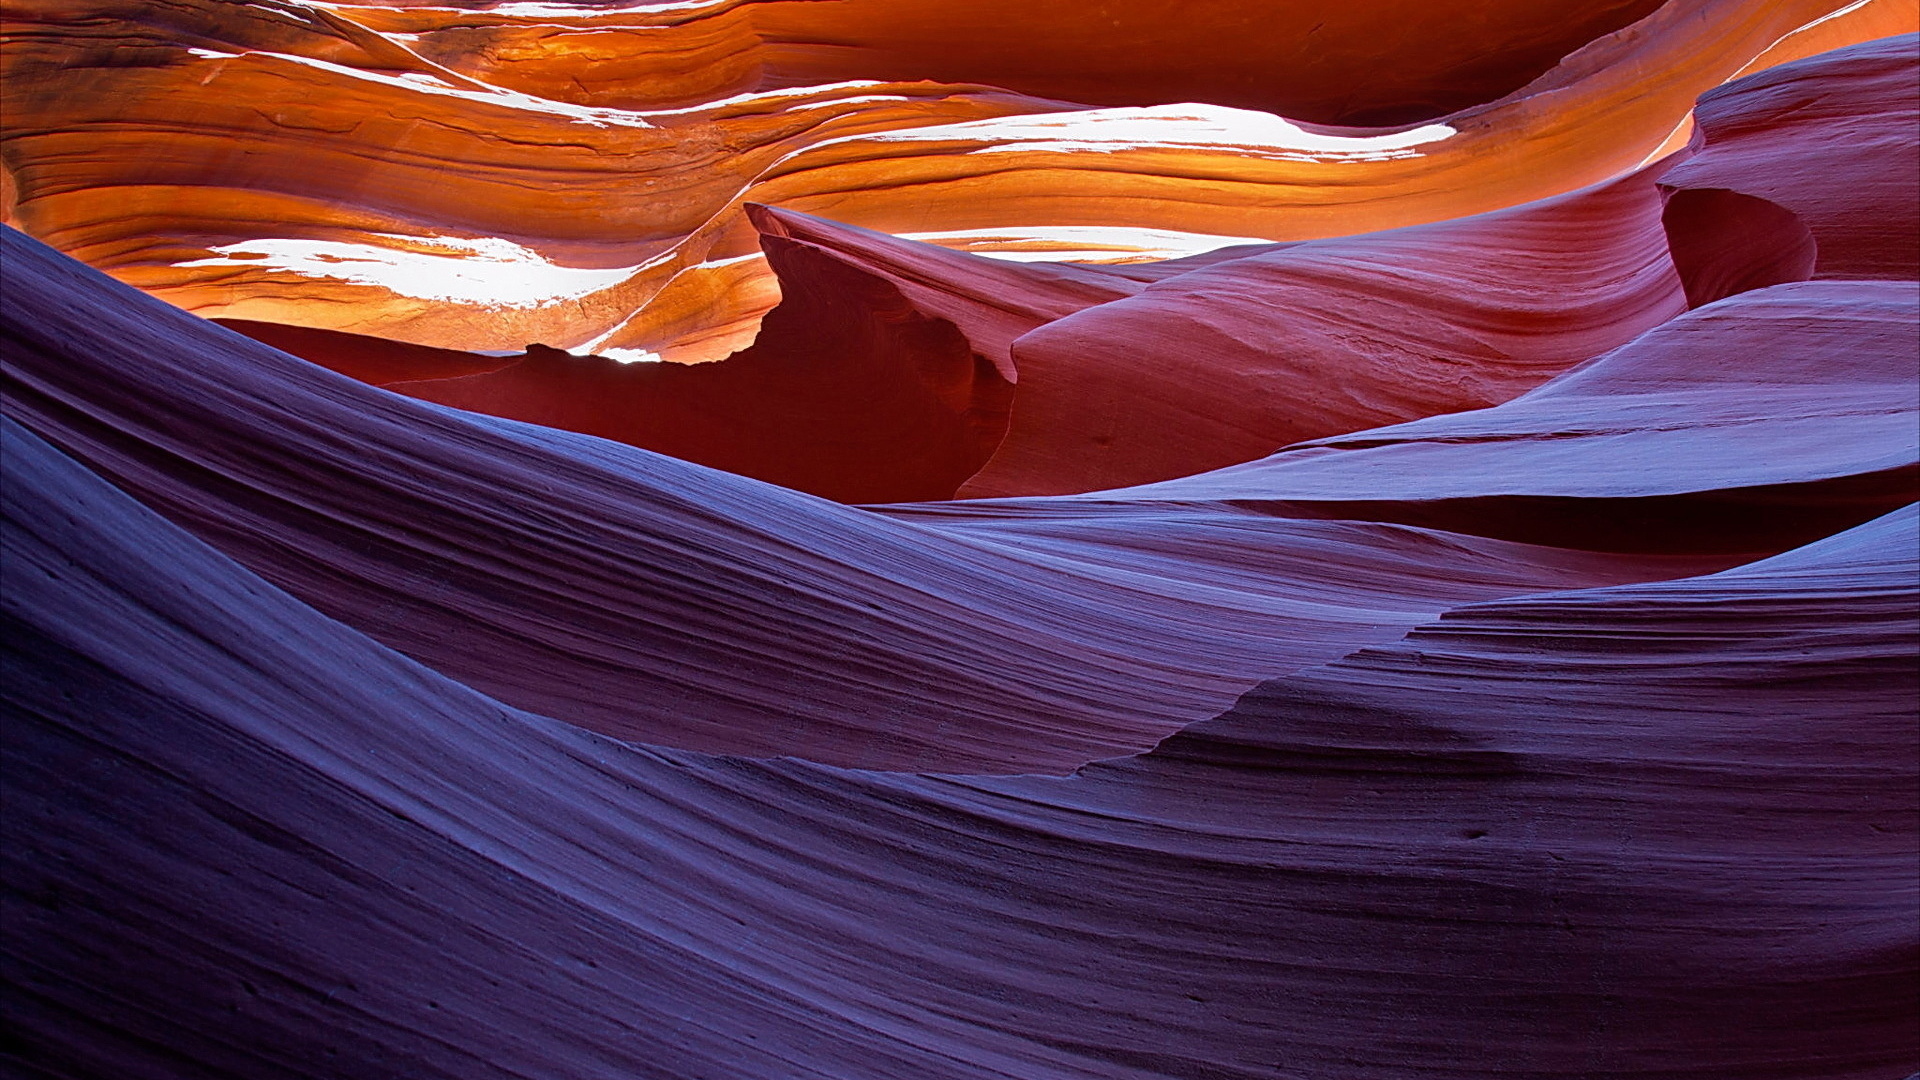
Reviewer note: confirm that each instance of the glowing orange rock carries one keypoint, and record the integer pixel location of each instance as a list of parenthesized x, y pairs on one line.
[(353, 168)]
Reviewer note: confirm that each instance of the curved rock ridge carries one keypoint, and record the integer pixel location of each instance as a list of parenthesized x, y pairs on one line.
[(1662, 829), (850, 392), (884, 375), (1230, 362), (1836, 140), (1723, 242), (290, 164), (375, 360), (1796, 396), (653, 599)]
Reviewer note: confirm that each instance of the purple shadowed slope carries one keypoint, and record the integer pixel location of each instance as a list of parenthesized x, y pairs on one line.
[(1655, 831), (653, 599)]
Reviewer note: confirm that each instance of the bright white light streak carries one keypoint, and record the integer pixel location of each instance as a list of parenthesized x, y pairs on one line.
[(626, 356), (489, 272), (1180, 127), (566, 11), (1848, 10), (1081, 243), (424, 83)]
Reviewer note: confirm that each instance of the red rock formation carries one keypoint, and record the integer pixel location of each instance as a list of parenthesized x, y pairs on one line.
[(1836, 140), (883, 376), (1796, 401), (1723, 242), (370, 359), (1233, 361), (850, 393)]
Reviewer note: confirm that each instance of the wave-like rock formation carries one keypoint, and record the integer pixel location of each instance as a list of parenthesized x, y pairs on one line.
[(630, 592), (899, 539), (1232, 361), (1659, 829), (1796, 423), (1831, 140)]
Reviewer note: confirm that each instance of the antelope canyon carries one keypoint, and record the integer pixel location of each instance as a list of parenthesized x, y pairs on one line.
[(857, 539)]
